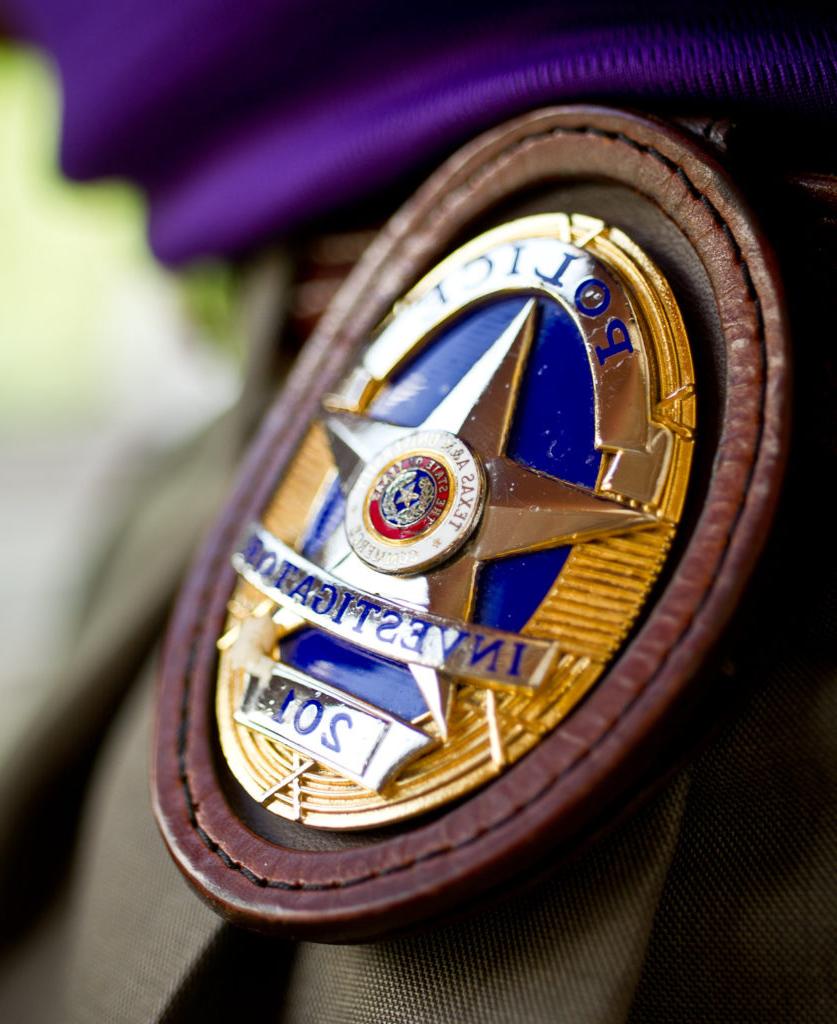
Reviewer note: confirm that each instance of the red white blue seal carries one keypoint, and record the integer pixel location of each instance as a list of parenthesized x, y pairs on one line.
[(409, 497)]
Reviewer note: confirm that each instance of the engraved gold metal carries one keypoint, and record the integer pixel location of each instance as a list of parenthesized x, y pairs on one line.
[(621, 531)]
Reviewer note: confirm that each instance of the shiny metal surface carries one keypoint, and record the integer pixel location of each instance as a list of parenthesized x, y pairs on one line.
[(406, 551), (412, 637), (331, 727)]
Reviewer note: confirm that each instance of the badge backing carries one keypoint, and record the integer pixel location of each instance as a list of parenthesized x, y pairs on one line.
[(664, 191)]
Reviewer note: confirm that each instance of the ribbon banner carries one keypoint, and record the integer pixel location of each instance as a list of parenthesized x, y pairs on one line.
[(364, 743), (386, 628)]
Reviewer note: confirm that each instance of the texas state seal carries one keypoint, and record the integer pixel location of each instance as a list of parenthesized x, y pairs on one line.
[(468, 532)]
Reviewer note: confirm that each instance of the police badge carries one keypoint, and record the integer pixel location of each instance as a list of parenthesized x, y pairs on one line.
[(468, 530), (453, 618)]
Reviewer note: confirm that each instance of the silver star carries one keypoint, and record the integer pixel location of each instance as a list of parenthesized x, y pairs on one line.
[(403, 498), (524, 510)]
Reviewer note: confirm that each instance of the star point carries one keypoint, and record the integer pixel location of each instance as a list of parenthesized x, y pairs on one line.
[(524, 509)]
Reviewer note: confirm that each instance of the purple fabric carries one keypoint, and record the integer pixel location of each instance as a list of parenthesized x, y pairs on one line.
[(244, 120)]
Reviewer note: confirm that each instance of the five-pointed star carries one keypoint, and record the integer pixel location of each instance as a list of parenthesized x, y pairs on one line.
[(404, 498), (524, 510)]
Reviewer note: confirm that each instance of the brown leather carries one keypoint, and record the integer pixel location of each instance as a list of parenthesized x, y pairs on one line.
[(699, 229)]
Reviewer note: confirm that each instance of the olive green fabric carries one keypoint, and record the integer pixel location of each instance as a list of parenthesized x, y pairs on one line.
[(746, 929), (571, 950), (136, 931)]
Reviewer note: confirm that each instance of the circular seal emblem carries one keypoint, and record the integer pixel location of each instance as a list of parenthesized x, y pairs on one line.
[(415, 503), (409, 497)]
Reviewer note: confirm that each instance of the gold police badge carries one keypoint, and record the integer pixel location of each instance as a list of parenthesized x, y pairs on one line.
[(467, 533)]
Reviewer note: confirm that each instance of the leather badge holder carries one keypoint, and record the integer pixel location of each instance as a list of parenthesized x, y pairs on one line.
[(454, 615)]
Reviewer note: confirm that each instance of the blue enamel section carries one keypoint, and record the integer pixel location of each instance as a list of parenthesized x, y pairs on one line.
[(417, 389), (553, 432), (383, 683), (554, 425), (328, 519), (509, 590)]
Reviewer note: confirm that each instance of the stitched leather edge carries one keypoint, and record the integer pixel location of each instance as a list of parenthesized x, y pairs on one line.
[(585, 750)]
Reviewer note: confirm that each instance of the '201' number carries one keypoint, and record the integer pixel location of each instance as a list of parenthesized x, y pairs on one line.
[(308, 716)]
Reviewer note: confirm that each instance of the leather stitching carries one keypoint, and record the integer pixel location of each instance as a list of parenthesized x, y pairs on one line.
[(273, 883)]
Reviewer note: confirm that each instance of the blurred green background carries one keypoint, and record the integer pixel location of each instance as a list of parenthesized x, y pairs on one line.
[(107, 363), (70, 254)]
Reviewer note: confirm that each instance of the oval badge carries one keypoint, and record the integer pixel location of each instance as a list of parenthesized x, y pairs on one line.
[(452, 621), (467, 532)]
